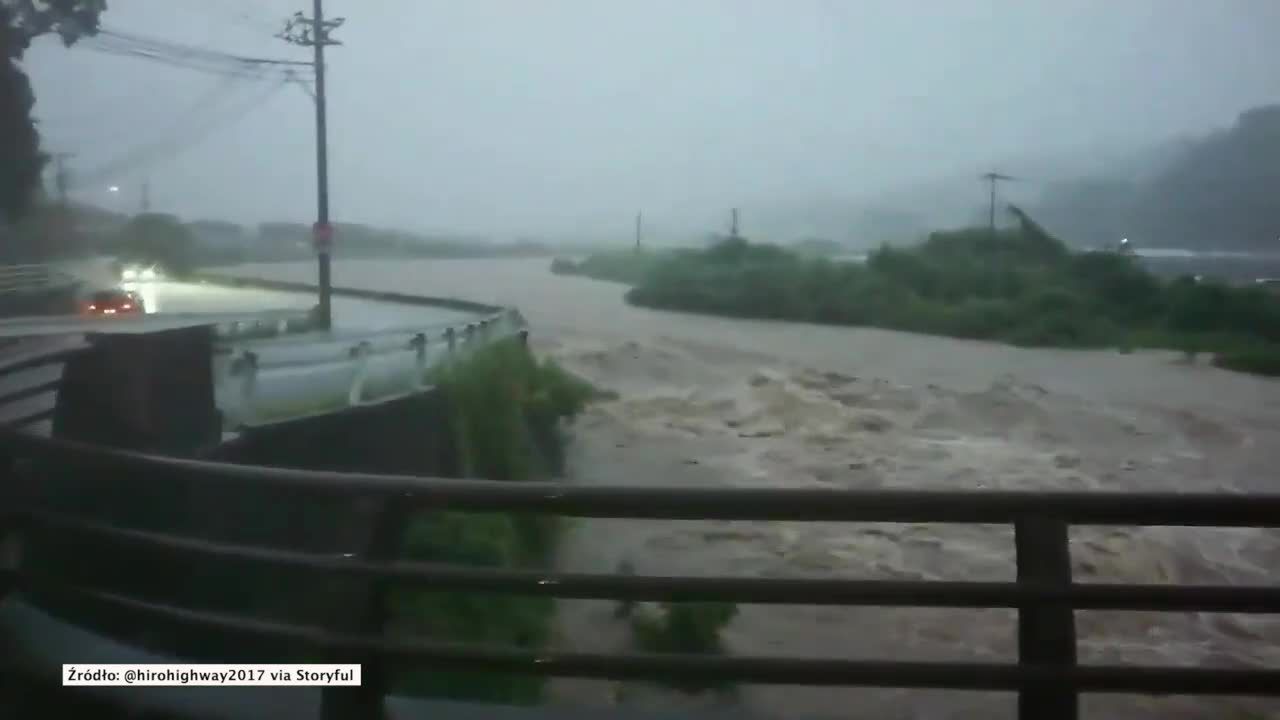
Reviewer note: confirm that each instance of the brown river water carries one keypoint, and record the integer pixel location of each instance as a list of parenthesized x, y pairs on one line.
[(717, 402)]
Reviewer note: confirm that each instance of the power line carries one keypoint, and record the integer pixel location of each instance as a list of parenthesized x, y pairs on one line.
[(190, 57), (147, 155), (204, 105), (182, 49)]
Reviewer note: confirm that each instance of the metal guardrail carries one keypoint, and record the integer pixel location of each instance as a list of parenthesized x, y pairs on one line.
[(1046, 676), (256, 383), (261, 381), (33, 277)]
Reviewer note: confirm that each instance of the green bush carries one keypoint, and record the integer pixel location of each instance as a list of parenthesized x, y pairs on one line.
[(563, 266), (624, 266), (1260, 360), (1019, 286), (507, 410), (684, 628)]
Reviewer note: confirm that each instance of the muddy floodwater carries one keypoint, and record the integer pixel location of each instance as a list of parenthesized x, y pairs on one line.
[(724, 403)]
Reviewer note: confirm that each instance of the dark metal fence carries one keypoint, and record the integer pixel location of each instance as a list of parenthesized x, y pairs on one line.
[(1046, 676)]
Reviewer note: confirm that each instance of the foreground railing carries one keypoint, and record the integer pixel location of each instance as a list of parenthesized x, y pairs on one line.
[(1046, 676), (41, 367)]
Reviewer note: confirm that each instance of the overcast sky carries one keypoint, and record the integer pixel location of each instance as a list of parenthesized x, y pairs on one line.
[(558, 117)]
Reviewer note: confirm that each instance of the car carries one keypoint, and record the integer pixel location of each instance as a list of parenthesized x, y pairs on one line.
[(113, 302), (136, 273)]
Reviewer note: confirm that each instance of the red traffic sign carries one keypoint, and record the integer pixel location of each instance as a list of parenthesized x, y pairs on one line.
[(322, 236)]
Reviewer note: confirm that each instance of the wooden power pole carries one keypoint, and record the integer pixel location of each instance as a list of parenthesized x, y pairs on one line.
[(314, 32)]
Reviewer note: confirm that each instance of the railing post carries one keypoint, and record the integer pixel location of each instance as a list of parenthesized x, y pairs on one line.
[(1046, 630), (360, 353), (14, 486), (247, 366), (386, 521), (418, 343)]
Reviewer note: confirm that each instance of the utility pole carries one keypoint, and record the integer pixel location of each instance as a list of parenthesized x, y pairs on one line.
[(146, 197), (733, 223), (314, 32), (638, 219), (62, 176), (62, 225), (992, 178)]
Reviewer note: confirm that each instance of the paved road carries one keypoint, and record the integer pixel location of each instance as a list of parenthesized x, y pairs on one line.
[(348, 313), (170, 297)]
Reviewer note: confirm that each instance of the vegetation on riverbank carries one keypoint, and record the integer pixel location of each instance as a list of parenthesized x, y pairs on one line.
[(1019, 286), (625, 266), (507, 412), (686, 628)]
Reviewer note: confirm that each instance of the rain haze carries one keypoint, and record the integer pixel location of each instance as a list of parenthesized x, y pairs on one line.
[(561, 119), (970, 247)]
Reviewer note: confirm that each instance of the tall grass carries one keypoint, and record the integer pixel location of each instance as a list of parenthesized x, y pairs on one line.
[(506, 412)]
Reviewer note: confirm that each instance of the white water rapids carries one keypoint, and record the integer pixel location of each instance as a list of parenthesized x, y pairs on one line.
[(739, 403)]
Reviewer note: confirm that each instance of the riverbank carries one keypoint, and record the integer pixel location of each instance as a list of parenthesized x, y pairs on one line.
[(1018, 286)]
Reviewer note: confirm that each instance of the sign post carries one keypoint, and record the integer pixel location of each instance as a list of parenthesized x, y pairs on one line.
[(322, 238)]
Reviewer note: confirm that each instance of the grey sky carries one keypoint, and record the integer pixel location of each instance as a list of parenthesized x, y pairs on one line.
[(547, 117)]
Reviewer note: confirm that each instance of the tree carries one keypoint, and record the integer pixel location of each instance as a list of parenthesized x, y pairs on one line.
[(21, 21), (153, 238)]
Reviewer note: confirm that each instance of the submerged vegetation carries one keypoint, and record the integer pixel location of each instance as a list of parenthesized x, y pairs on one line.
[(691, 628), (1019, 286), (506, 411), (625, 266)]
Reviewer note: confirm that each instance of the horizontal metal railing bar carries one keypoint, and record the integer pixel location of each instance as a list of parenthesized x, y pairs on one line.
[(41, 358), (799, 591), (686, 503), (761, 670), (30, 392), (31, 418), (328, 352)]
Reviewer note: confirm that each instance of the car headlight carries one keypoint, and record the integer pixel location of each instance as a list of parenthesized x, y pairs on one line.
[(149, 274), (129, 274)]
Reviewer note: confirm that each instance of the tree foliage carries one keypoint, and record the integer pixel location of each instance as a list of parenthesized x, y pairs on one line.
[(21, 160), (153, 238), (1019, 285)]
